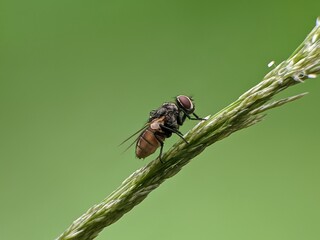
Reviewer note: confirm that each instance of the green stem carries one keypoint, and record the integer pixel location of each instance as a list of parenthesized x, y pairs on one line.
[(247, 110)]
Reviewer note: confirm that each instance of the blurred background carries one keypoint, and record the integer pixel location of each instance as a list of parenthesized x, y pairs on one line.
[(79, 77)]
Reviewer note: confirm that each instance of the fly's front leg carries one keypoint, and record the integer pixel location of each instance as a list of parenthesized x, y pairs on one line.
[(196, 117)]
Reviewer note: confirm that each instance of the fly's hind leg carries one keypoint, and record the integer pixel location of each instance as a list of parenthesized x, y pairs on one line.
[(161, 146)]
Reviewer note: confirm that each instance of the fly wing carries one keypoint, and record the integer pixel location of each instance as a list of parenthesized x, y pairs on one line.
[(137, 132)]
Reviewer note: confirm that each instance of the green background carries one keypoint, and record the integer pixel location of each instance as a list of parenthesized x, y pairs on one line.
[(78, 77)]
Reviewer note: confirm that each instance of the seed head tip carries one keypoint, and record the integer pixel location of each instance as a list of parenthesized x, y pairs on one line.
[(270, 64)]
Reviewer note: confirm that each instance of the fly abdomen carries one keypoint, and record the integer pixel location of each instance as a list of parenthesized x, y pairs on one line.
[(148, 143)]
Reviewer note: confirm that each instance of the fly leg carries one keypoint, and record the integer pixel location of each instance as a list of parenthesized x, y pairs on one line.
[(161, 146), (196, 117), (174, 131)]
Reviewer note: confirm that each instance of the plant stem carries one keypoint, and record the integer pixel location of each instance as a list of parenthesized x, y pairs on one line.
[(247, 110)]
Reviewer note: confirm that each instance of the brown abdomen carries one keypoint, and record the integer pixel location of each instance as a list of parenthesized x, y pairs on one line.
[(147, 143)]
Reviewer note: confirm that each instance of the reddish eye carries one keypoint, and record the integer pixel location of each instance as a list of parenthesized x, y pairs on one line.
[(185, 103)]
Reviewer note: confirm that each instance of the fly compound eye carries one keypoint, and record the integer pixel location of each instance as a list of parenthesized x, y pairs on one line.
[(185, 103)]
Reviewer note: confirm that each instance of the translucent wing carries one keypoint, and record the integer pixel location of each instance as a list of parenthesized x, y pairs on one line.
[(137, 132)]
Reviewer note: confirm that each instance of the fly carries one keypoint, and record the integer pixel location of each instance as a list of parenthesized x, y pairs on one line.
[(162, 123)]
